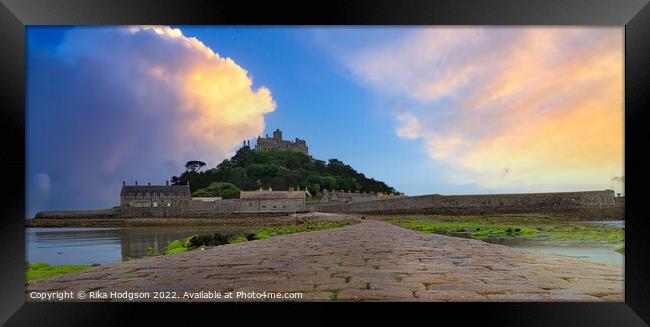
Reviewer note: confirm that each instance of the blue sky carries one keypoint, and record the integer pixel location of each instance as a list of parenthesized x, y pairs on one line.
[(409, 106)]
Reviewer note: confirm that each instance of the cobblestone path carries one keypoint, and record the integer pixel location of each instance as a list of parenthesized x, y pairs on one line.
[(372, 260)]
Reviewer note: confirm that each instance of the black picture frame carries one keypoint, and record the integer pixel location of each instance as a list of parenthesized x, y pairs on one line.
[(633, 14)]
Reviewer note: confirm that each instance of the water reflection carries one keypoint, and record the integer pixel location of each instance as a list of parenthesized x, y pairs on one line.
[(59, 246)]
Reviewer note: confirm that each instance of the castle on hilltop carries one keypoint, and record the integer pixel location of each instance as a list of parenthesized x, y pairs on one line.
[(277, 143)]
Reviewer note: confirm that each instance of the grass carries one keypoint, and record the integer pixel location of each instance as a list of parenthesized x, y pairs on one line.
[(507, 226), (39, 270)]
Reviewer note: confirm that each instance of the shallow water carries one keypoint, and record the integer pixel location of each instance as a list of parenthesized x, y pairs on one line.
[(589, 250), (592, 251), (58, 246)]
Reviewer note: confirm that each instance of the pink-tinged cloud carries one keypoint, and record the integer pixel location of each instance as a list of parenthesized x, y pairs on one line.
[(133, 103), (510, 109)]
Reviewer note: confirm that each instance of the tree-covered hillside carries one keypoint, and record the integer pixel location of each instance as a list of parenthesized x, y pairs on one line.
[(279, 169)]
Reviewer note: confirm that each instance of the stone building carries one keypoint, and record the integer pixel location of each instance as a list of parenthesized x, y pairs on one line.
[(277, 143), (273, 201), (144, 196), (175, 201)]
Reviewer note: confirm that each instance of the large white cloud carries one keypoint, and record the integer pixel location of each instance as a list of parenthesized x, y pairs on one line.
[(511, 109), (130, 103)]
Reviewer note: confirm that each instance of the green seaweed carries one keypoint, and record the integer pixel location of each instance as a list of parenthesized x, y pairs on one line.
[(40, 270), (483, 228), (150, 251), (307, 227), (184, 245), (237, 239), (335, 294)]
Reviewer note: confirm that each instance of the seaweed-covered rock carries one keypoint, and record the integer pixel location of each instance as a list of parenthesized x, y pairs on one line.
[(207, 240)]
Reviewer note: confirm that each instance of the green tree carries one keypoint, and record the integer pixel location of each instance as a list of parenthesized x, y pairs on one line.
[(224, 190), (194, 165), (314, 188), (280, 169), (228, 190)]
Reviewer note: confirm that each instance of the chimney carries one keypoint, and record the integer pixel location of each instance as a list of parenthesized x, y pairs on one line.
[(244, 142), (123, 183), (149, 184), (167, 183), (136, 183)]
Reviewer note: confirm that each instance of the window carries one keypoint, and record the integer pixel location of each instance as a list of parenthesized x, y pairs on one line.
[(155, 204), (169, 204)]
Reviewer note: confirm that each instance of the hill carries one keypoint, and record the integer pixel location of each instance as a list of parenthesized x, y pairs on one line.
[(250, 170)]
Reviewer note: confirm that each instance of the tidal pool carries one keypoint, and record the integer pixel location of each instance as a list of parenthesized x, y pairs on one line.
[(86, 246), (592, 251), (589, 250)]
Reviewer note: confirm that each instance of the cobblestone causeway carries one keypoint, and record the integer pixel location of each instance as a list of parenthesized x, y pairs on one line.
[(372, 260)]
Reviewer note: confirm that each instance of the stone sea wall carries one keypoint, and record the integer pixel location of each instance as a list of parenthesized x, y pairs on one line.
[(601, 203), (591, 204)]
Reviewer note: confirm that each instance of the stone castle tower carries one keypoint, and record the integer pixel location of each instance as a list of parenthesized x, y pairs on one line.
[(277, 143)]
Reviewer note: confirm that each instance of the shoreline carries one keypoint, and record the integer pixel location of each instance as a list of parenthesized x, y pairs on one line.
[(349, 264), (170, 222), (273, 220)]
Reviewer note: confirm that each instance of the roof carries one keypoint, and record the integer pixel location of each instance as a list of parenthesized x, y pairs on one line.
[(160, 189), (265, 194)]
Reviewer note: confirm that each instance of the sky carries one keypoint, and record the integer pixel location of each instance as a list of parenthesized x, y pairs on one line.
[(447, 110)]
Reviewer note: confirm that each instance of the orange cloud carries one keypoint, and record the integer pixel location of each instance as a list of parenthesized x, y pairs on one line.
[(219, 106), (132, 103), (525, 109)]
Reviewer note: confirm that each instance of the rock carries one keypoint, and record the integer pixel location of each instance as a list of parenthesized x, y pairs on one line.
[(208, 240)]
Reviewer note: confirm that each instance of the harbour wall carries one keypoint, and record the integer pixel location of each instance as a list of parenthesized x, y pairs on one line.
[(603, 204)]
